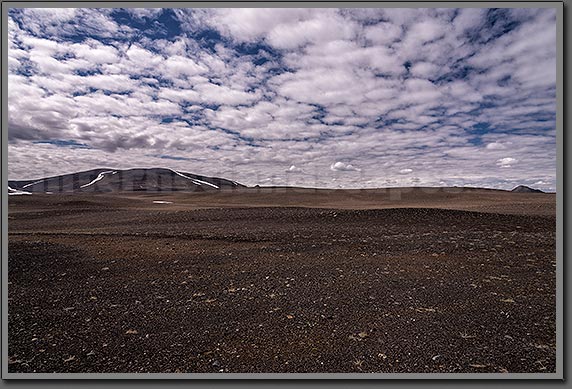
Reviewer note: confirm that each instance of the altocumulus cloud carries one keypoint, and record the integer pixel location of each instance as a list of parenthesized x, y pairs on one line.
[(355, 97)]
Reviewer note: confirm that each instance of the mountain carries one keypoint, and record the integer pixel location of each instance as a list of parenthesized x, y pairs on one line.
[(116, 180), (526, 189)]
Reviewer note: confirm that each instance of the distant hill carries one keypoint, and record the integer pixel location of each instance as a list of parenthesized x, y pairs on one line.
[(526, 189), (116, 180)]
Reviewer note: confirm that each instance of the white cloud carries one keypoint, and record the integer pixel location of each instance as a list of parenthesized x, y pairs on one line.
[(426, 31), (425, 70), (325, 28), (343, 167), (383, 33), (495, 146), (177, 66), (506, 162), (220, 94), (95, 52), (62, 22), (179, 95), (144, 13), (293, 169)]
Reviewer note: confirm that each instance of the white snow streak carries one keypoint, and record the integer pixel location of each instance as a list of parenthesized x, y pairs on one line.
[(99, 177), (162, 202), (207, 183), (15, 192), (33, 183), (194, 180)]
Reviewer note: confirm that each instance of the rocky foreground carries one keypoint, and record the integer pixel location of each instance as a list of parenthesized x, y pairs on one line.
[(103, 285)]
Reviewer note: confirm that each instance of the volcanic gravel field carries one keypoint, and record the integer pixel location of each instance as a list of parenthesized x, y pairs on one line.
[(112, 283)]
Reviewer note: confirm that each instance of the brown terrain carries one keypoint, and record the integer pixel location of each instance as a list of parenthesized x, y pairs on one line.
[(283, 280)]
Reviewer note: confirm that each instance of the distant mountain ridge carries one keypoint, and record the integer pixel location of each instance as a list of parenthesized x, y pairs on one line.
[(117, 180), (526, 189), (104, 180)]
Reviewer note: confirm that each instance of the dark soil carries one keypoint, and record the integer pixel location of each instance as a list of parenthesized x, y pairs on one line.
[(119, 288)]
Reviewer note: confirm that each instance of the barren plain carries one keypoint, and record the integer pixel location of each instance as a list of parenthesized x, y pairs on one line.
[(283, 280)]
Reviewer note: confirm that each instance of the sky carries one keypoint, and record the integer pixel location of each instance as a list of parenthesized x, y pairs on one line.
[(333, 98)]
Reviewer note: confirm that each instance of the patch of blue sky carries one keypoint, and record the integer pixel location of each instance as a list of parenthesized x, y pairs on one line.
[(206, 38), (172, 157), (64, 143)]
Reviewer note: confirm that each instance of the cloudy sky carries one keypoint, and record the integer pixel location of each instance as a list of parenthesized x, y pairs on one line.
[(346, 98)]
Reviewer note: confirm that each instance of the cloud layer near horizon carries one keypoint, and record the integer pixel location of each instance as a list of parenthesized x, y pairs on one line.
[(315, 97)]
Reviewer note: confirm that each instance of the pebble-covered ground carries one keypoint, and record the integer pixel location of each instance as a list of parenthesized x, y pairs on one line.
[(123, 288)]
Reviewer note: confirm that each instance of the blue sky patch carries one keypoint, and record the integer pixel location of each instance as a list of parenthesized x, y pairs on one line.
[(64, 143), (171, 157)]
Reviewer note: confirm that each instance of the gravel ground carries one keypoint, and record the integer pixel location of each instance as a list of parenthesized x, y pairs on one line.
[(124, 288)]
